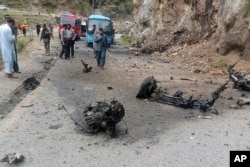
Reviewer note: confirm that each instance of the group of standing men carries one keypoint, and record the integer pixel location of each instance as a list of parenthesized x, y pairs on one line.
[(67, 38)]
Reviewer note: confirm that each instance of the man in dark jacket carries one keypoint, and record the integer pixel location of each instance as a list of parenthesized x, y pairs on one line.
[(100, 47), (38, 29)]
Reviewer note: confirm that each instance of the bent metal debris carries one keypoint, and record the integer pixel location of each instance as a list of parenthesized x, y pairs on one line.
[(149, 86), (101, 116)]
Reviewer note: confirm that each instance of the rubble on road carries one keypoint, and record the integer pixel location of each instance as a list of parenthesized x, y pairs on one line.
[(31, 83), (241, 81), (149, 86), (13, 158), (86, 69), (243, 101), (102, 115)]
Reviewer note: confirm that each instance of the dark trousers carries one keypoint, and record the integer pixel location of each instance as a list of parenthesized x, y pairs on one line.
[(101, 57), (37, 32), (71, 48), (15, 65), (24, 31), (65, 49)]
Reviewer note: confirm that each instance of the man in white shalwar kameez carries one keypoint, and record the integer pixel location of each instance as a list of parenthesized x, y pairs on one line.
[(7, 46)]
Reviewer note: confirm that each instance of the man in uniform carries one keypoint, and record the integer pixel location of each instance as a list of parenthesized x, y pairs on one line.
[(64, 42), (72, 36)]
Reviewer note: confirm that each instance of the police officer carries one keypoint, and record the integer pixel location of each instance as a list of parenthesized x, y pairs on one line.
[(71, 34), (64, 42)]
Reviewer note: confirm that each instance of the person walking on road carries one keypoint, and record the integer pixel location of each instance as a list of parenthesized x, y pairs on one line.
[(38, 29), (46, 36), (100, 47), (7, 40)]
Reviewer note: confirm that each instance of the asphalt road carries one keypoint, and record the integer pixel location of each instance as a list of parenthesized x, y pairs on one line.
[(159, 135)]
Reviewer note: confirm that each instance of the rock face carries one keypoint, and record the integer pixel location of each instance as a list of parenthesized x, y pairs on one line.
[(220, 20)]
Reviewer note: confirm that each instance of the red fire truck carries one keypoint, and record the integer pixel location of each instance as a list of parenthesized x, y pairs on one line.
[(68, 18)]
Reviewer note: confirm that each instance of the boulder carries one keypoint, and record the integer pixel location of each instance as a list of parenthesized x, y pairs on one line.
[(236, 38)]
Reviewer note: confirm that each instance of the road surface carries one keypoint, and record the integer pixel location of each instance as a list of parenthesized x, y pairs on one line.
[(159, 135)]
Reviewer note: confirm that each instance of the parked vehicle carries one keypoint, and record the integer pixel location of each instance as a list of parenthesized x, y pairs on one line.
[(101, 22), (83, 29), (3, 7), (67, 18)]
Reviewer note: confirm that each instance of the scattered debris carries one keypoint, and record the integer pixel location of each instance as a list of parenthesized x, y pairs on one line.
[(234, 106), (29, 105), (82, 126), (243, 101), (240, 81), (59, 107), (109, 88), (148, 86), (13, 158), (101, 115), (214, 111), (136, 53), (57, 126), (104, 116), (187, 79), (205, 117), (134, 66), (86, 69), (31, 83)]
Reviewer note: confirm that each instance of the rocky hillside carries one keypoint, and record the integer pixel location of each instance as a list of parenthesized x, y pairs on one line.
[(217, 26), (113, 8)]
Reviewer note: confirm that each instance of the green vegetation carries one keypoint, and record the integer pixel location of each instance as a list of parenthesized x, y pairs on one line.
[(124, 5), (126, 39), (49, 4), (79, 6), (22, 43), (221, 64)]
